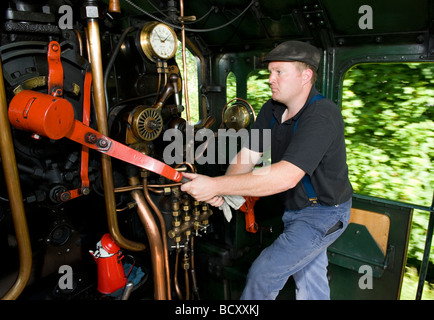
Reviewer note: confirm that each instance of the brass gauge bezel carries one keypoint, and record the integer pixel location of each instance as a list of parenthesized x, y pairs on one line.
[(151, 52)]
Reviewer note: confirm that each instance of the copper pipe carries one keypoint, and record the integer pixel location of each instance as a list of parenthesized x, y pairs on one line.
[(187, 280), (128, 188), (15, 198), (184, 61), (163, 235), (187, 164), (86, 33), (193, 270), (80, 41), (202, 73), (187, 285), (114, 6), (154, 190), (152, 187), (175, 275), (106, 166), (155, 245)]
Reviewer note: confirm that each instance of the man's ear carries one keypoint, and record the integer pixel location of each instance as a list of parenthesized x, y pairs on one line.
[(307, 75)]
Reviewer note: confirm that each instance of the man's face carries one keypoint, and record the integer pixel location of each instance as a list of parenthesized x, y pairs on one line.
[(285, 80)]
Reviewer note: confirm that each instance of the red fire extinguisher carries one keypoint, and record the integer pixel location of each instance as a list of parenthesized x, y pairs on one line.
[(108, 256)]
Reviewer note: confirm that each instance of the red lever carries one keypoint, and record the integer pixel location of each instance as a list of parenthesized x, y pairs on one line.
[(55, 70), (84, 173), (53, 117), (95, 140), (248, 209), (84, 170)]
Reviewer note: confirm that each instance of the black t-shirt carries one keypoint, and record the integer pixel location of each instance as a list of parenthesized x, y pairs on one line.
[(317, 147)]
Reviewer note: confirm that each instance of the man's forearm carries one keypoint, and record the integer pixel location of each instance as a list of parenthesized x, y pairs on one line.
[(261, 182), (244, 162), (243, 184), (264, 181)]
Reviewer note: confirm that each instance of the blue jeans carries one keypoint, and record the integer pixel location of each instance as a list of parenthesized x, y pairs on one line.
[(300, 251)]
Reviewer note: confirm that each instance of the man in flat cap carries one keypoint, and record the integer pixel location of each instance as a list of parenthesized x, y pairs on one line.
[(308, 172)]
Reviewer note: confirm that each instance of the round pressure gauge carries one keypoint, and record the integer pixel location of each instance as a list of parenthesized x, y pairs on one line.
[(158, 41)]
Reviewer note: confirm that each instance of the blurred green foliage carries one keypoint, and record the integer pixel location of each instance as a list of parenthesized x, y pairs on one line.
[(258, 90), (192, 81), (388, 113), (257, 86)]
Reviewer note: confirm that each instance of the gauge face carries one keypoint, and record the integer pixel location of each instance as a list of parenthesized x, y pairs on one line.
[(158, 41), (163, 41)]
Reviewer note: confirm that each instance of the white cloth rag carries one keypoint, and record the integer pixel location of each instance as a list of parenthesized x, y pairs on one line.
[(234, 202)]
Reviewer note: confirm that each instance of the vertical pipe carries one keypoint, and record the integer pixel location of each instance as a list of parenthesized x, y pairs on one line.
[(15, 198), (163, 235), (154, 237), (193, 270), (184, 61), (101, 115), (202, 73), (175, 275)]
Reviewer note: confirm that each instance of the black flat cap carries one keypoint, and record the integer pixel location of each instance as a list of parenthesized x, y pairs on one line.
[(295, 51)]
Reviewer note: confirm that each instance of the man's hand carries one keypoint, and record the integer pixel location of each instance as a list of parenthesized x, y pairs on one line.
[(202, 188), (264, 181)]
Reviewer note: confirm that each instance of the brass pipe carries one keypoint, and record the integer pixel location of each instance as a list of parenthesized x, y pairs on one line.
[(15, 198), (101, 115), (154, 237), (184, 61), (176, 231), (163, 235), (202, 74)]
